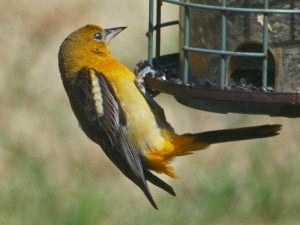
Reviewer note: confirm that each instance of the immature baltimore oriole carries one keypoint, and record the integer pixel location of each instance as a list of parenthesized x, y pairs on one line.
[(130, 127)]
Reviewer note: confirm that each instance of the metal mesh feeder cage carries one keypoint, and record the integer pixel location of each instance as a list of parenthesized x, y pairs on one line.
[(235, 56)]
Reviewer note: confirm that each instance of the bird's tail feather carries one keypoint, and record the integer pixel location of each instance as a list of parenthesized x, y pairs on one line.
[(159, 160), (187, 143)]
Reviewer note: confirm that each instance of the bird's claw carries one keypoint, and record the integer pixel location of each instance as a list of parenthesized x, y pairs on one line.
[(140, 78)]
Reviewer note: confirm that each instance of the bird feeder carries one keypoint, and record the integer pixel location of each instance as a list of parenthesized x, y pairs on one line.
[(235, 56)]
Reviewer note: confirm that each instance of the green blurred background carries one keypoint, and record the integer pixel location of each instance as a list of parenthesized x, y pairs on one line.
[(50, 173)]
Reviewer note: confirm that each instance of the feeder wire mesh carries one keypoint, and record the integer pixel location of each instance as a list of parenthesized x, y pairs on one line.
[(219, 96)]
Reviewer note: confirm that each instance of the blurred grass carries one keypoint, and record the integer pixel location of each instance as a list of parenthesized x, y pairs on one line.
[(50, 173)]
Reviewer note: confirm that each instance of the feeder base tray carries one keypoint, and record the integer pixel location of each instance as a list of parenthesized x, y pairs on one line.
[(211, 98)]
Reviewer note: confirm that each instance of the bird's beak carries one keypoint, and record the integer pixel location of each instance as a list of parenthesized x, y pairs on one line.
[(111, 33)]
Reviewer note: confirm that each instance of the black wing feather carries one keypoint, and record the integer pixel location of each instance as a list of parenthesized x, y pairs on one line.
[(109, 130)]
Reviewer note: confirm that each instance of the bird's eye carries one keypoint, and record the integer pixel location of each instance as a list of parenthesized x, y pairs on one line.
[(98, 36)]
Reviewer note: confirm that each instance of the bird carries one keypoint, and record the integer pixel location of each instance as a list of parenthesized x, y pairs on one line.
[(129, 125)]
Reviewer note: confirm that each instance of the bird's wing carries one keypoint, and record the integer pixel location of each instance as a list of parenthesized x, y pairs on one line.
[(101, 117)]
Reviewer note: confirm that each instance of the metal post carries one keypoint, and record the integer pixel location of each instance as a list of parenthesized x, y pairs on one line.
[(223, 46), (150, 33), (158, 28), (265, 47), (186, 44)]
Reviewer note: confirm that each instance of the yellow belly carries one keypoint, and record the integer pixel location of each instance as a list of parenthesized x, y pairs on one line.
[(142, 128)]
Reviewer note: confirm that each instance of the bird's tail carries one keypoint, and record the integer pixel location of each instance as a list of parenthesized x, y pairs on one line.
[(159, 161), (186, 143)]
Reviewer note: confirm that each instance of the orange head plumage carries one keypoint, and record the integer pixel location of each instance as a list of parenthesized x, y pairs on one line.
[(85, 47)]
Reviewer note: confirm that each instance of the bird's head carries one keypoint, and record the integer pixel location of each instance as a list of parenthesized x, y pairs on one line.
[(86, 45)]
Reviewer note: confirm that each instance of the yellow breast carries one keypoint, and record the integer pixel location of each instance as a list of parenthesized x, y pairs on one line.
[(142, 128)]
